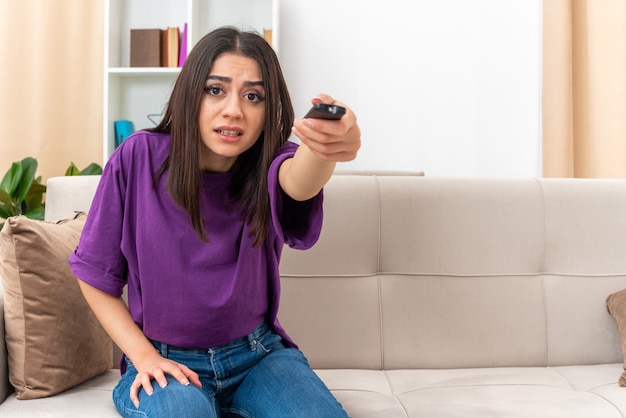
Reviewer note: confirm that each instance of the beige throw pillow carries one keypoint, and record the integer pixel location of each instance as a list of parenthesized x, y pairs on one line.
[(616, 305), (54, 341)]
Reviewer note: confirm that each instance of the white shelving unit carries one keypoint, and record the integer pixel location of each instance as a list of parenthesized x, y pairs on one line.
[(140, 94)]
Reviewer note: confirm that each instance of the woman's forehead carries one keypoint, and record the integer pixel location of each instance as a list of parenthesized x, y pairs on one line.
[(228, 64)]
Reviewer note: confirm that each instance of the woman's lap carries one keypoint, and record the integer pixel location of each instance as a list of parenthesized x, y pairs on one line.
[(284, 385), (258, 378)]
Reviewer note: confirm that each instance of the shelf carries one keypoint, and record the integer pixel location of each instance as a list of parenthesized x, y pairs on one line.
[(133, 93), (141, 72)]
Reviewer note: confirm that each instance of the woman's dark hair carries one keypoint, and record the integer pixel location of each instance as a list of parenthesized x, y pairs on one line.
[(249, 188)]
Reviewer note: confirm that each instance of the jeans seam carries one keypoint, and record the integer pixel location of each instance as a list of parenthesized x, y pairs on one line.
[(240, 412), (134, 412), (126, 411)]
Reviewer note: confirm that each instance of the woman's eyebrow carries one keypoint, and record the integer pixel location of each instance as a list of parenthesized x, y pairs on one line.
[(254, 83), (219, 78), (228, 80)]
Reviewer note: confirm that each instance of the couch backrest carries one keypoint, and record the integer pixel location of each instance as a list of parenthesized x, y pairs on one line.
[(419, 272), (447, 272)]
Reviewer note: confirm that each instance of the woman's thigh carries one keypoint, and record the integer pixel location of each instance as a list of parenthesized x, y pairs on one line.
[(174, 400), (284, 385)]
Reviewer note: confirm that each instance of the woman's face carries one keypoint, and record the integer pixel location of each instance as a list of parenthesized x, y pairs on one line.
[(232, 111)]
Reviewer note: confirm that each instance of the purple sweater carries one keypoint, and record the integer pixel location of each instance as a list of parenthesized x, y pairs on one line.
[(182, 291)]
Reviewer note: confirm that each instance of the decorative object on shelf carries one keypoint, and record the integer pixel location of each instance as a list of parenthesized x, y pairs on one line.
[(123, 129), (145, 47), (152, 116)]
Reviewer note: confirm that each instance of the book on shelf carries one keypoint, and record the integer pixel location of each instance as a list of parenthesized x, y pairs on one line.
[(267, 34), (182, 56), (145, 47), (170, 44)]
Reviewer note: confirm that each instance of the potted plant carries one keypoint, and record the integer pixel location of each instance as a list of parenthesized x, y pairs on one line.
[(20, 192)]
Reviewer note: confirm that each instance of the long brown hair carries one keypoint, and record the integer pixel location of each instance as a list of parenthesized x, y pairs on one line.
[(249, 188)]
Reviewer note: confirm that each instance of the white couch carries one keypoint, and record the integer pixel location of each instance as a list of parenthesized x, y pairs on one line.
[(445, 297)]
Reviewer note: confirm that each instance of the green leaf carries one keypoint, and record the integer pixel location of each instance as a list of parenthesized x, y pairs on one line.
[(91, 169), (5, 198), (37, 213), (72, 170), (20, 192), (5, 212), (29, 166), (11, 179), (36, 188), (34, 198)]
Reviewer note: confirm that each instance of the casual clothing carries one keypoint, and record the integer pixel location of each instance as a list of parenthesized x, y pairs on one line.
[(182, 291), (201, 303), (254, 376)]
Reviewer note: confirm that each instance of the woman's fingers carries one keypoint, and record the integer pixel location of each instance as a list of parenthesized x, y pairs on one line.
[(330, 140), (141, 380), (158, 372), (188, 376)]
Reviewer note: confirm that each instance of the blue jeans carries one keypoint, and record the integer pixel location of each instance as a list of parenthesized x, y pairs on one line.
[(255, 376)]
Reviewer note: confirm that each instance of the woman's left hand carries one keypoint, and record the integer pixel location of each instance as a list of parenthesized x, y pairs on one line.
[(331, 140)]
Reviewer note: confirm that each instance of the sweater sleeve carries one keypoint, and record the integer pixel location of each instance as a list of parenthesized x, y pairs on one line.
[(298, 223), (98, 259)]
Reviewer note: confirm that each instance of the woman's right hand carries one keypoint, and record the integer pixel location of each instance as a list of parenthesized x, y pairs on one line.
[(114, 316), (156, 367)]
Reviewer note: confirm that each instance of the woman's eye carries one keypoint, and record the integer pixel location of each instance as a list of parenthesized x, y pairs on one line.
[(254, 97), (213, 90)]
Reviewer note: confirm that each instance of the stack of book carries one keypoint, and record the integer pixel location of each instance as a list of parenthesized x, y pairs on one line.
[(158, 47)]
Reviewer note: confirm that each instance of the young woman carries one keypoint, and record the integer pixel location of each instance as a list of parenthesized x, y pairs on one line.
[(192, 216)]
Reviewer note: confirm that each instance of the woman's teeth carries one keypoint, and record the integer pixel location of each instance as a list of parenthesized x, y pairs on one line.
[(228, 133)]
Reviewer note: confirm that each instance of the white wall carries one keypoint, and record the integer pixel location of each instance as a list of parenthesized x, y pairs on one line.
[(449, 87)]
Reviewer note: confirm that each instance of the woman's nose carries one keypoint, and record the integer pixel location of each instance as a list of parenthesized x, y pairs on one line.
[(232, 107)]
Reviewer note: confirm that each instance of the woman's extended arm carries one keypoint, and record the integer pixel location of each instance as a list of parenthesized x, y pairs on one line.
[(324, 143), (116, 320)]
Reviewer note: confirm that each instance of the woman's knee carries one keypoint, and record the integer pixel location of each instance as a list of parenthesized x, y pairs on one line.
[(175, 399)]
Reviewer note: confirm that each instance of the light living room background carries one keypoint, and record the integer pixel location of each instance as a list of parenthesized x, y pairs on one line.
[(448, 87)]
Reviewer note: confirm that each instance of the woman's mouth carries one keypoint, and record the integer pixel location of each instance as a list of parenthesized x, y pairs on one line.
[(228, 133)]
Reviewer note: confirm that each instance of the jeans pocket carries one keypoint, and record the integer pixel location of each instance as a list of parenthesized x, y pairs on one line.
[(268, 342)]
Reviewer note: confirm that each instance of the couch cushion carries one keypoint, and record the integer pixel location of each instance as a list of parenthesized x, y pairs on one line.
[(54, 341), (564, 392), (91, 399)]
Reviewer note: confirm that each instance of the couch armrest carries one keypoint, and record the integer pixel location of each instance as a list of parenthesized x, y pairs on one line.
[(5, 387), (66, 195)]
